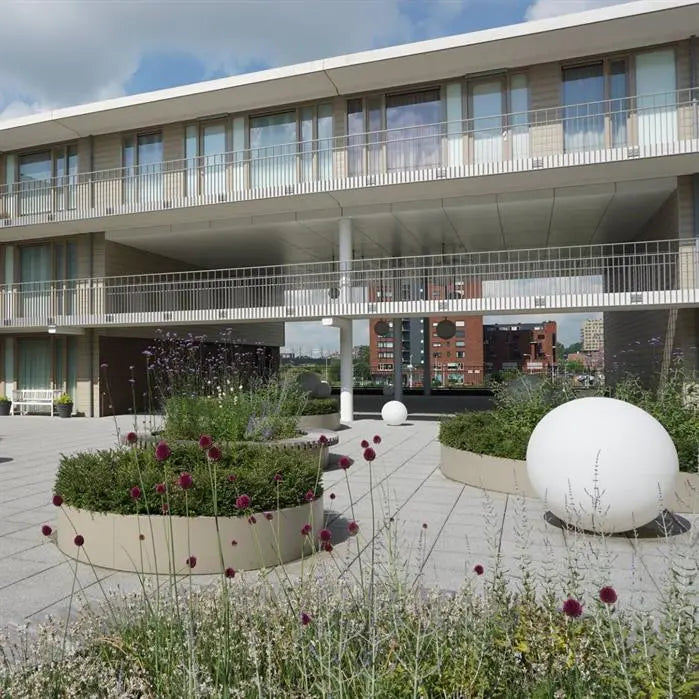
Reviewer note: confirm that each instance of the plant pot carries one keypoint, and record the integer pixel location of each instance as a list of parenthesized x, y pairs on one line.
[(5, 407), (64, 409)]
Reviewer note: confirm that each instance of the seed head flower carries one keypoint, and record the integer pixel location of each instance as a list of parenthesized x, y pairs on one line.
[(46, 530), (608, 595), (305, 530), (424, 525), (332, 496), (325, 535), (231, 477), (131, 438), (309, 496), (57, 500), (166, 508), (252, 519), (369, 454), (135, 493), (268, 516), (234, 543), (322, 439), (162, 452), (277, 477), (205, 441), (192, 561), (353, 528), (305, 619), (572, 608), (377, 439), (229, 573), (79, 540), (364, 444), (242, 501), (185, 481), (345, 463), (160, 488), (214, 454), (326, 546), (478, 569)]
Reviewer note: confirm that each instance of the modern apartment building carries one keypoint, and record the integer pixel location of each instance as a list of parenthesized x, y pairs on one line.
[(592, 335), (550, 166), (527, 347)]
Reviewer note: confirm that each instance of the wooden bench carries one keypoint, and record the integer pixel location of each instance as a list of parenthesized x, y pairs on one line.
[(33, 397)]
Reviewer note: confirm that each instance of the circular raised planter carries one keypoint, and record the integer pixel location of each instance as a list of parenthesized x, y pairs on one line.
[(510, 476), (143, 544), (325, 421)]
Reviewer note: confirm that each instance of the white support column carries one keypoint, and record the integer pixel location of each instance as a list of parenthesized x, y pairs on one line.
[(397, 359), (345, 244), (346, 366), (427, 357)]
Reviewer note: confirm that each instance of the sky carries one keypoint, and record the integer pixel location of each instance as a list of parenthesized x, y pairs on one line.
[(56, 53)]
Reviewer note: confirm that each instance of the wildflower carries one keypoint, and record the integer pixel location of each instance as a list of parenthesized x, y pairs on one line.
[(205, 441), (131, 438), (344, 463), (377, 439), (185, 481), (242, 501), (166, 508), (57, 500), (326, 546), (229, 573), (322, 439), (305, 619), (135, 492), (608, 595), (192, 561), (231, 478), (369, 454), (79, 540), (46, 530), (353, 528), (332, 496), (478, 569), (160, 488), (141, 537), (252, 519), (268, 516), (305, 530), (309, 496), (325, 535), (424, 525), (572, 608), (234, 543), (162, 452), (214, 454), (277, 477), (364, 444)]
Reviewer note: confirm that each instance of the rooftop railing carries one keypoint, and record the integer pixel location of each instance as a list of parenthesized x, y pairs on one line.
[(592, 132), (658, 274)]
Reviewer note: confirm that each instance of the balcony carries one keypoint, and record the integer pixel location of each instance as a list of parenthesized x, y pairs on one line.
[(590, 133), (659, 274)]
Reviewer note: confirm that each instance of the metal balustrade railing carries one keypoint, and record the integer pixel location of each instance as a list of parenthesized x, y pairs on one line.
[(592, 132), (642, 274)]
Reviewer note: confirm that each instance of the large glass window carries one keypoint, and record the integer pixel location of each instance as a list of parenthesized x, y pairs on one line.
[(413, 130), (583, 107), (656, 82), (519, 116), (273, 149), (355, 137), (486, 105), (34, 359), (143, 168), (618, 107), (47, 180)]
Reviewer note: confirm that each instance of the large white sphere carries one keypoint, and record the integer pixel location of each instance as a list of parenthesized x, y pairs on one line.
[(602, 464), (394, 413), (323, 390), (308, 381)]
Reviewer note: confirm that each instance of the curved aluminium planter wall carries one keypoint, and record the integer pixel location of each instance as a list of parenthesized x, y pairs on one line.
[(510, 476), (114, 541), (327, 421)]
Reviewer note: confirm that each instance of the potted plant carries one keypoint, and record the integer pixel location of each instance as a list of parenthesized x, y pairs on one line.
[(5, 405), (64, 405)]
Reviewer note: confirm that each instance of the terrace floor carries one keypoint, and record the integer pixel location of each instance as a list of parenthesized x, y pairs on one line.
[(465, 526)]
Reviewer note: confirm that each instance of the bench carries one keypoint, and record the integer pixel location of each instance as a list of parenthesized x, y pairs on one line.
[(33, 397)]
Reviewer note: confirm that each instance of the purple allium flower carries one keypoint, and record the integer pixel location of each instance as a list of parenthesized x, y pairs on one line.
[(252, 519), (185, 481), (214, 454), (205, 441), (424, 525), (305, 619), (322, 439), (377, 439), (277, 477), (234, 543), (141, 537), (135, 492), (160, 488), (191, 561), (326, 546), (79, 540), (131, 438), (353, 528), (242, 501), (162, 452), (325, 535), (269, 516), (231, 478), (364, 444), (608, 595), (478, 569), (369, 454), (229, 572), (332, 496), (57, 500), (166, 508), (46, 530), (345, 463), (305, 530), (309, 496), (572, 608)]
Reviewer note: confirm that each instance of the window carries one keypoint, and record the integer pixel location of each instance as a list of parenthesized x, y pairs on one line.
[(205, 151), (460, 343), (273, 149), (583, 107), (143, 167), (48, 180), (618, 107), (656, 81), (460, 354)]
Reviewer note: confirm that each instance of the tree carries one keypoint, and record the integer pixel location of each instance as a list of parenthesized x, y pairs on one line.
[(362, 368), (575, 347)]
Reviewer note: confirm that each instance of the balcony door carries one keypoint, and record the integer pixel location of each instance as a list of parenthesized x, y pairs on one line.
[(583, 108), (273, 143), (205, 154), (35, 278), (143, 168), (488, 120), (656, 83), (34, 360)]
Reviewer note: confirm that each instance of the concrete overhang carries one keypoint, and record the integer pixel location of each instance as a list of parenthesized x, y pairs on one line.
[(614, 28)]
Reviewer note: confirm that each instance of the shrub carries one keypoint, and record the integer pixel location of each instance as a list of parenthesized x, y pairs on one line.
[(320, 406), (63, 399), (101, 481)]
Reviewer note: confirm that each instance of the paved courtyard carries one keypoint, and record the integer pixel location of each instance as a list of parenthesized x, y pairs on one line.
[(437, 528)]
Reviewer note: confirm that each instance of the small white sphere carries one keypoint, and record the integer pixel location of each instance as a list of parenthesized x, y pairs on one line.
[(602, 464), (394, 413), (323, 390)]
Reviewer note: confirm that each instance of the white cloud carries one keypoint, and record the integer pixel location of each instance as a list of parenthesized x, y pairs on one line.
[(62, 53), (541, 9), (304, 338)]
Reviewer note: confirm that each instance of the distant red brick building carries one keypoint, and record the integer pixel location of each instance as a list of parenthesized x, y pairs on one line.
[(528, 347)]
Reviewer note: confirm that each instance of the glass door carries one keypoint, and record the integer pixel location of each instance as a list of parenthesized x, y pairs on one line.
[(35, 172), (583, 108), (656, 82), (213, 150), (273, 149), (518, 109), (34, 358), (35, 276), (488, 121)]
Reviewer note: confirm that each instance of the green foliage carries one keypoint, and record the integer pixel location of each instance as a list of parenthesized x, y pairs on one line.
[(101, 481), (520, 405), (5, 399), (63, 399), (321, 406)]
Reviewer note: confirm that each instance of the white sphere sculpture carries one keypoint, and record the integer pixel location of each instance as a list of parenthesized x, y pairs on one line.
[(602, 464), (308, 381), (323, 390), (394, 413)]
